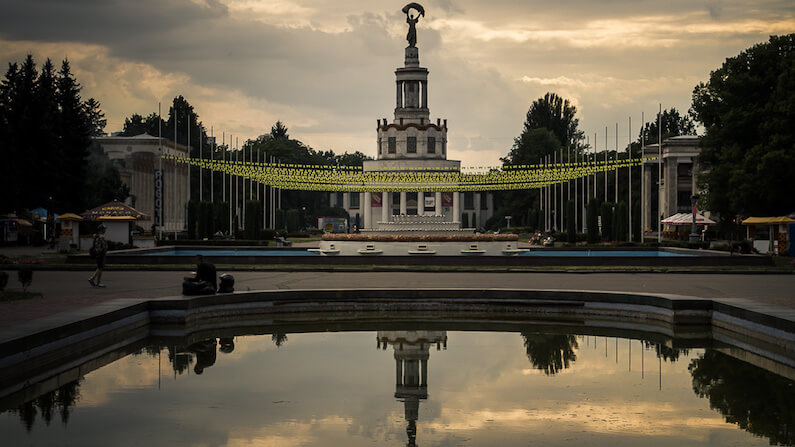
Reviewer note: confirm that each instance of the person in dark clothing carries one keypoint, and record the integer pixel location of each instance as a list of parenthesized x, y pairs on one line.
[(205, 271), (98, 250), (205, 354)]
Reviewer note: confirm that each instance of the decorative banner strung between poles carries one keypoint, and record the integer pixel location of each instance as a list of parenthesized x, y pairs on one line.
[(354, 179)]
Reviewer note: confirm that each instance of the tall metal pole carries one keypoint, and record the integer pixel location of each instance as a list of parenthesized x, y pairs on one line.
[(162, 197), (555, 191), (212, 171), (605, 164), (642, 181), (615, 159), (175, 172), (201, 174), (629, 158), (659, 175), (188, 165)]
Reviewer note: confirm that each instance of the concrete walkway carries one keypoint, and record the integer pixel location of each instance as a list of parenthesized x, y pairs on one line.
[(66, 291)]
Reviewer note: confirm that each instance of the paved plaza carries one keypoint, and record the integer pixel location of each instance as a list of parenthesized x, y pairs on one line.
[(65, 291)]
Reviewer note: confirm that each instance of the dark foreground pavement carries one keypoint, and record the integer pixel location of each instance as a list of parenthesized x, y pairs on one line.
[(65, 291)]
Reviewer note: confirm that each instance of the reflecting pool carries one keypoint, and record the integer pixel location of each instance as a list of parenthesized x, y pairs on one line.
[(411, 387)]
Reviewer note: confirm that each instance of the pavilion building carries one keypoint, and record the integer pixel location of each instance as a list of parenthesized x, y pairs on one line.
[(412, 141)]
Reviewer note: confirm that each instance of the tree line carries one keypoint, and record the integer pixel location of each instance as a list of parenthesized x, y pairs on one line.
[(747, 154), (45, 130)]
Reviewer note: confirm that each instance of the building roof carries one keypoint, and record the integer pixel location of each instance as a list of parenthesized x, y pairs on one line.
[(687, 219), (775, 220), (69, 216)]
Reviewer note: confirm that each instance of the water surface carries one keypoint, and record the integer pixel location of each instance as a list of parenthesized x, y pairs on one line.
[(423, 387)]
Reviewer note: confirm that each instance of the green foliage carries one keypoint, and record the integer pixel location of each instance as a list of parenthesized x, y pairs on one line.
[(46, 130), (280, 219), (593, 222), (253, 221), (672, 123), (221, 216), (551, 353), (636, 221), (193, 214), (25, 277), (758, 401), (620, 216), (103, 183), (606, 212), (206, 220), (748, 151), (293, 220), (571, 229)]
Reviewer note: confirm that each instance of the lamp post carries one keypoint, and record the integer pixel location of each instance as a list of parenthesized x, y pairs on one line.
[(508, 221), (693, 233)]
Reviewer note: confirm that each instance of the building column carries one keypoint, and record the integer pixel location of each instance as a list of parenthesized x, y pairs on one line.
[(424, 372), (398, 372), (672, 188), (438, 204), (403, 202), (385, 206), (421, 203), (456, 207), (346, 200), (367, 221), (399, 96), (424, 104)]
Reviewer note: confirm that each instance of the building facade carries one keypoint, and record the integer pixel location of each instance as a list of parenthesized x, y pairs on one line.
[(138, 161), (679, 173), (412, 141)]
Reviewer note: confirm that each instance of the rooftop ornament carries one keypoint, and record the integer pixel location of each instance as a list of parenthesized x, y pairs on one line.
[(412, 20)]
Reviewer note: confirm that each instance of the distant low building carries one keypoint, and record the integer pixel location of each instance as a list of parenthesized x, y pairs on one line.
[(138, 161)]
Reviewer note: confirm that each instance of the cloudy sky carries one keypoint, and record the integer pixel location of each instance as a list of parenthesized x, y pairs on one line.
[(327, 68)]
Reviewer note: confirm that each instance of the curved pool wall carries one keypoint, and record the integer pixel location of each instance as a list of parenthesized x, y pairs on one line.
[(626, 256), (40, 355)]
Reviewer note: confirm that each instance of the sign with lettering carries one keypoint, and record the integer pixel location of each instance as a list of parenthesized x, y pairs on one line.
[(376, 199)]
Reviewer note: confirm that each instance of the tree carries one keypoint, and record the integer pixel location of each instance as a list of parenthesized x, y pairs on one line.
[(551, 353), (137, 125), (279, 131), (620, 216), (46, 130), (557, 115), (606, 211), (748, 151), (593, 221), (672, 123), (571, 232), (758, 401), (96, 118), (103, 182)]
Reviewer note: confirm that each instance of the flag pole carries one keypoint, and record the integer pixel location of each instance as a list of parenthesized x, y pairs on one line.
[(659, 175)]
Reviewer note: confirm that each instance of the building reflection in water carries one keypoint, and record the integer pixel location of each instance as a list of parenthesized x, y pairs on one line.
[(412, 350)]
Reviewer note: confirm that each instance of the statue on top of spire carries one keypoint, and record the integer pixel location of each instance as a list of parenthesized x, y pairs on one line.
[(412, 20)]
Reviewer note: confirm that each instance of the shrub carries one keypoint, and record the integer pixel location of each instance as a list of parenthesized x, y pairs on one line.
[(606, 212), (571, 229), (593, 223), (25, 277), (620, 216), (293, 220)]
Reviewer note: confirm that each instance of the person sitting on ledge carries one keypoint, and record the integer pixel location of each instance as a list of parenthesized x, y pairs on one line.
[(204, 281)]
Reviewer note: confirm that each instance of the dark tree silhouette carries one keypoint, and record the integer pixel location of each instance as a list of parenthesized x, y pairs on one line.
[(279, 339), (758, 401), (550, 353)]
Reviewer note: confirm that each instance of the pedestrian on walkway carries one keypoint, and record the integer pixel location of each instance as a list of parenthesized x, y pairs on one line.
[(98, 251)]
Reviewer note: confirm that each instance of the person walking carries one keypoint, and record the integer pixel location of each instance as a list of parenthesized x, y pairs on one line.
[(98, 251)]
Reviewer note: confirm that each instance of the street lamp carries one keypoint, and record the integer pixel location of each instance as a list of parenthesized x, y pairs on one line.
[(508, 220)]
